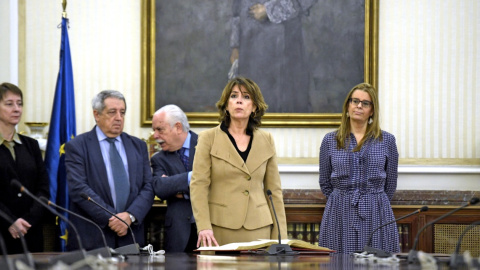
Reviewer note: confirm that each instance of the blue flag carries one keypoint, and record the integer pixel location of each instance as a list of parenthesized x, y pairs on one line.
[(62, 129)]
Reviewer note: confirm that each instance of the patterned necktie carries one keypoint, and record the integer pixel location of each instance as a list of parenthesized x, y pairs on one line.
[(120, 178), (183, 157)]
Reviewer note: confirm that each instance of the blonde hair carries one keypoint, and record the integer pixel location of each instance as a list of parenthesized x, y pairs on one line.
[(373, 129)]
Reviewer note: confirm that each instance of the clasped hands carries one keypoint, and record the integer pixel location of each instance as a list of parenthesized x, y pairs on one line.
[(119, 227)]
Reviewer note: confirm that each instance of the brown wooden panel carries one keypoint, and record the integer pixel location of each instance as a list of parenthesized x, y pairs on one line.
[(312, 214), (304, 210)]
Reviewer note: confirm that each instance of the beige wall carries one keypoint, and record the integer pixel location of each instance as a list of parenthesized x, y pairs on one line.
[(429, 65), (7, 53), (428, 69), (105, 46)]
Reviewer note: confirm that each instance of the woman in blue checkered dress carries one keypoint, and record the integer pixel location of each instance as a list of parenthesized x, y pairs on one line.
[(358, 175)]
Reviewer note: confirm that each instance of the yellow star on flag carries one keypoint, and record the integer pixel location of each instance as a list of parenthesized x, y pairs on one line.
[(62, 149), (65, 236)]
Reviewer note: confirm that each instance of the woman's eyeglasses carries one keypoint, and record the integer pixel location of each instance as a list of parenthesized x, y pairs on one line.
[(356, 101)]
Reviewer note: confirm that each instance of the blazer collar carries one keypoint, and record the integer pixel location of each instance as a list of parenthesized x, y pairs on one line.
[(260, 152)]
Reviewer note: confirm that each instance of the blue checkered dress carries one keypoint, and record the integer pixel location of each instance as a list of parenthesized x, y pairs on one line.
[(359, 187)]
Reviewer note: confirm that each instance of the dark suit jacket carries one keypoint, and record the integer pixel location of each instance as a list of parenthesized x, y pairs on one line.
[(179, 211), (86, 173), (28, 168)]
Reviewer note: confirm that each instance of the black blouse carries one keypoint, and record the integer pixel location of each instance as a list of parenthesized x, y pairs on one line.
[(244, 154)]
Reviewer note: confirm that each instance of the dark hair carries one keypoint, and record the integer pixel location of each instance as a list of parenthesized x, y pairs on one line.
[(5, 87), (253, 90)]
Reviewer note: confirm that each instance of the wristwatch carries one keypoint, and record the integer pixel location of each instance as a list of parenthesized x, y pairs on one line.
[(132, 218)]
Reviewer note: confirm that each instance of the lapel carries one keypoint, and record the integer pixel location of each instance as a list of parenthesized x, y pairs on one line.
[(93, 150), (223, 148), (193, 144), (131, 158), (174, 161), (261, 151)]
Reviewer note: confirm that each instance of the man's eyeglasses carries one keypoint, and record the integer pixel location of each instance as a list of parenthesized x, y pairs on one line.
[(356, 101)]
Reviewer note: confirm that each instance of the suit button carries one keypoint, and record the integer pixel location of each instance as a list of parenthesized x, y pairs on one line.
[(246, 192), (249, 178)]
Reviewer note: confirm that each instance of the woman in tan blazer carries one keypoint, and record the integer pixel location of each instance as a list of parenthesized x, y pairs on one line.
[(235, 164)]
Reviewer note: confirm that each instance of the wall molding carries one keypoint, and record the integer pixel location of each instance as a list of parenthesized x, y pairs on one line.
[(410, 177), (402, 169), (401, 197)]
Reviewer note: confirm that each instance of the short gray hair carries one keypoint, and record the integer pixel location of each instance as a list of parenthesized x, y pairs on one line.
[(174, 114), (98, 102)]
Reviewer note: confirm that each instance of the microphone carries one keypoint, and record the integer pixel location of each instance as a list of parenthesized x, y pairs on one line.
[(70, 257), (28, 255), (5, 262), (278, 249), (125, 250), (412, 255), (105, 251), (457, 260), (381, 253)]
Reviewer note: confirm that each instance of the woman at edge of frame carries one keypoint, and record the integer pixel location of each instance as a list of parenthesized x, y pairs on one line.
[(20, 159)]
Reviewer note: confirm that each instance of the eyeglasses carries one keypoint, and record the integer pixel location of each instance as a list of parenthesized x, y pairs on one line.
[(356, 101)]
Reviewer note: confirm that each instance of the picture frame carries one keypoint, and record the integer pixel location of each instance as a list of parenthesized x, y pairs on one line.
[(153, 64)]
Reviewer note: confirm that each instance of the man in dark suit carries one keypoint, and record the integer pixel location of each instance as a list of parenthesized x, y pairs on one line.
[(172, 170), (112, 168)]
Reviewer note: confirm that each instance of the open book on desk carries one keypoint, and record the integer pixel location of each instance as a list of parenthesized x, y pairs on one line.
[(295, 244)]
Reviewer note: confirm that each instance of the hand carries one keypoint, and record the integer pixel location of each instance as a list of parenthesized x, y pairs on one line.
[(234, 55), (119, 227), (21, 225), (206, 237), (259, 12)]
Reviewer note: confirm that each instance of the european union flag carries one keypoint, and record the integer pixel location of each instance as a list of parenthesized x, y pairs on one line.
[(62, 129)]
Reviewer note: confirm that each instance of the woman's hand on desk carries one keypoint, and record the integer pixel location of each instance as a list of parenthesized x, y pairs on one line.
[(206, 239)]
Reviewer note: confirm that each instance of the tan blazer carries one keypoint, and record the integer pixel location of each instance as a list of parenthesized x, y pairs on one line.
[(229, 193)]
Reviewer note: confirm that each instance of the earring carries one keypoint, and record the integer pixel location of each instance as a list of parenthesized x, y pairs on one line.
[(227, 113), (370, 120), (348, 115)]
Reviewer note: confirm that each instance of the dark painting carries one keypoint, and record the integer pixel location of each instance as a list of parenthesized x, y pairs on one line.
[(193, 48), (305, 57)]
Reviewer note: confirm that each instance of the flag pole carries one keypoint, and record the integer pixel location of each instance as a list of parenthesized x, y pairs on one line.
[(64, 5), (62, 129)]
